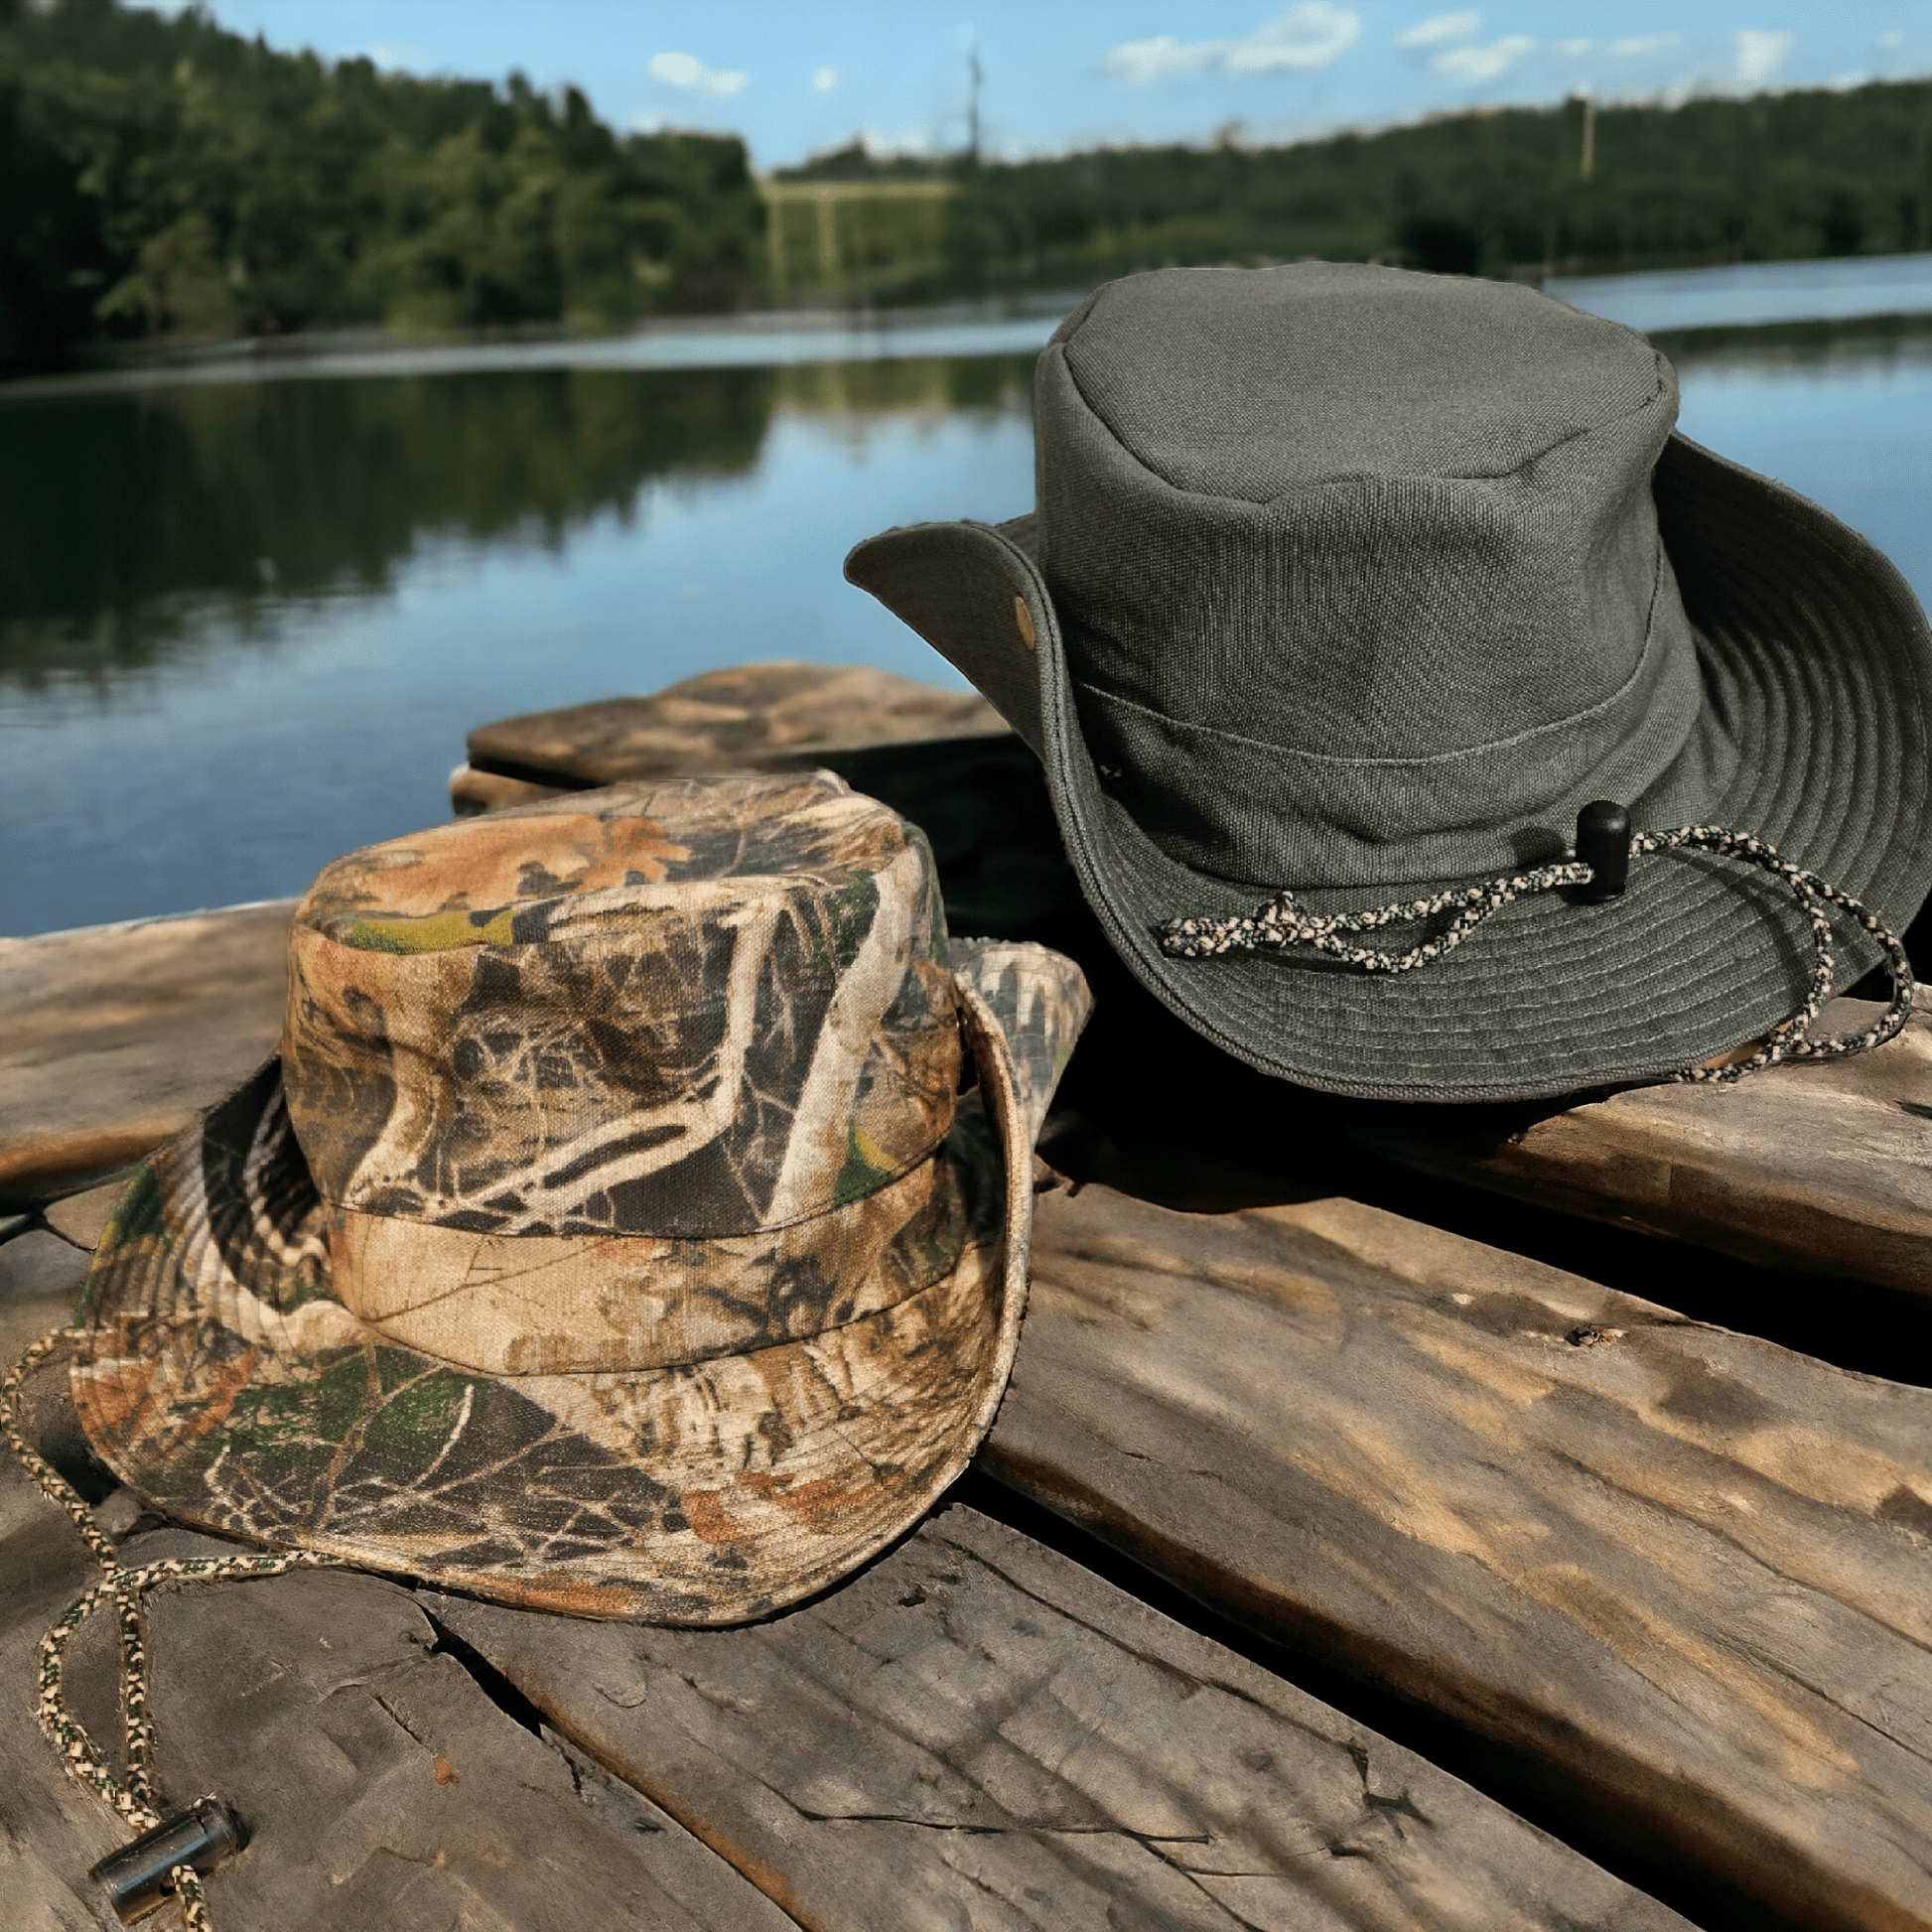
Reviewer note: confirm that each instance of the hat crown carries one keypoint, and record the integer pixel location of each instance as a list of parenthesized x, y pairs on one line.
[(697, 1007), (1359, 571), (1251, 383)]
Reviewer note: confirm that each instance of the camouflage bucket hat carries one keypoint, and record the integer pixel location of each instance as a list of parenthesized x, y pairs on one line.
[(611, 1234)]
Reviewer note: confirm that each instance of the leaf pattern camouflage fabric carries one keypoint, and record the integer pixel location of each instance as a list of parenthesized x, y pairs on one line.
[(607, 1237), (716, 1016)]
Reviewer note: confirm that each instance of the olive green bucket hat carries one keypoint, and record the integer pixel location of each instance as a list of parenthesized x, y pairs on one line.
[(611, 1234), (1349, 589)]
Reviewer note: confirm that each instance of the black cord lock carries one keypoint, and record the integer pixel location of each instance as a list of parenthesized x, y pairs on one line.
[(139, 1877), (1604, 845)]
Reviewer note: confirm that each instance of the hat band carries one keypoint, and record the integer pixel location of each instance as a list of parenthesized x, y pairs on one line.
[(564, 1304), (1280, 923), (1250, 809)]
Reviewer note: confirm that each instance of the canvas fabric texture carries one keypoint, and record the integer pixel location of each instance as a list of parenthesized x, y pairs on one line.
[(610, 1235), (1362, 584)]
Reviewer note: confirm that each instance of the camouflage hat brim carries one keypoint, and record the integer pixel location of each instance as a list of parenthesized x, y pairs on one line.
[(221, 1380)]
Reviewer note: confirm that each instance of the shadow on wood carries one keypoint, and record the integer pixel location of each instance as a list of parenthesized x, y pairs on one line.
[(1823, 1168), (1679, 1571), (976, 1732), (380, 1788)]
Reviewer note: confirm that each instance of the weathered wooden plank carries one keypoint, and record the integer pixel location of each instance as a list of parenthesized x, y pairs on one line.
[(82, 1218), (382, 1789), (472, 793), (754, 715), (976, 1732), (1826, 1169), (113, 1036), (40, 1282), (1680, 1572)]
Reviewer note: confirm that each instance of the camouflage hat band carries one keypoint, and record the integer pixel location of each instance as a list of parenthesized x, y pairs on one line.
[(681, 1427), (556, 1305)]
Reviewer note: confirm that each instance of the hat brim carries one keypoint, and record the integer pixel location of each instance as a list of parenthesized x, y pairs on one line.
[(1817, 666), (220, 1379)]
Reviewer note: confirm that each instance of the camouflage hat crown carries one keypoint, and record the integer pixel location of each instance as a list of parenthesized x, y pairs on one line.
[(577, 1003), (610, 1234)]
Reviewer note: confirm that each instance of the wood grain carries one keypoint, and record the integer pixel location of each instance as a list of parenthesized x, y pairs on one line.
[(40, 1282), (976, 1732), (114, 1036), (82, 1218), (383, 1790), (1680, 1572), (781, 714), (1826, 1170)]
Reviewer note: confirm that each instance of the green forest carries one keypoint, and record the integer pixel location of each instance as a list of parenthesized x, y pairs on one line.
[(163, 179), (1776, 178)]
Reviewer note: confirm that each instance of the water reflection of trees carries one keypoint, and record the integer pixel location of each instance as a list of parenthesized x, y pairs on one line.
[(134, 518), (857, 395), (131, 516), (1864, 343)]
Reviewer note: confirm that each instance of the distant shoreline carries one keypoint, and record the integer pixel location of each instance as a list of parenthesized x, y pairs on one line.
[(1671, 302), (759, 338)]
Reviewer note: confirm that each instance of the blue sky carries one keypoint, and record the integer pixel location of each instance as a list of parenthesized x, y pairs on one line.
[(797, 76)]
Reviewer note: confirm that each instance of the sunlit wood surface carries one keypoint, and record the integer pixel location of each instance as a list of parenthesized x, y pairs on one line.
[(1660, 1584)]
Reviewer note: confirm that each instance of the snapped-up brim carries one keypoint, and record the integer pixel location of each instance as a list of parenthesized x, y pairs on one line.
[(1816, 669), (220, 1380)]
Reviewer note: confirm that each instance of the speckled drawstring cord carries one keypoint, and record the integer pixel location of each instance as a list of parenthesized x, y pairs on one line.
[(136, 1799), (1280, 923)]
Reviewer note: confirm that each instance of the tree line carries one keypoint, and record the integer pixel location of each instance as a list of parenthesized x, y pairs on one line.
[(1778, 176), (162, 177)]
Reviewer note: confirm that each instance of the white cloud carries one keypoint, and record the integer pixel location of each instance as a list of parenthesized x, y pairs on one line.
[(1302, 40), (1761, 54), (1642, 44), (687, 70), (1155, 59), (1306, 38), (1575, 48), (1479, 64), (825, 78), (1894, 37), (1438, 29)]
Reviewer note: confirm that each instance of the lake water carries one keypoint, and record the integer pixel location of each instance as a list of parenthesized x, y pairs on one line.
[(248, 611)]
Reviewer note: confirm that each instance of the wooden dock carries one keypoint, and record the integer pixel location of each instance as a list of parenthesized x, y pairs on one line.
[(1398, 1518)]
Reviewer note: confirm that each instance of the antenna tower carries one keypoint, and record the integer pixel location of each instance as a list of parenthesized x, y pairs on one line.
[(973, 103)]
